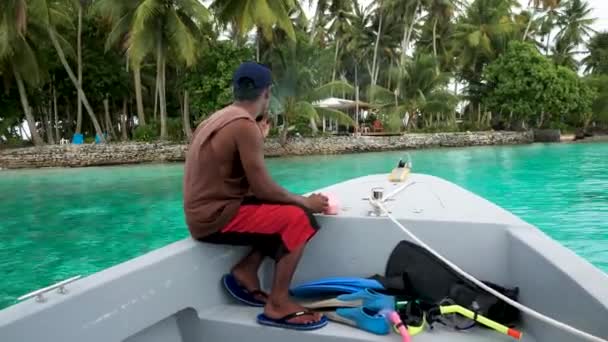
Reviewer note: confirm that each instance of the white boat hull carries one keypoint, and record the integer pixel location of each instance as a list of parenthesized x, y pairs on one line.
[(174, 294)]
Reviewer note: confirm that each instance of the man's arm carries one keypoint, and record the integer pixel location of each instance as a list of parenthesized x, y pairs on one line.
[(250, 145)]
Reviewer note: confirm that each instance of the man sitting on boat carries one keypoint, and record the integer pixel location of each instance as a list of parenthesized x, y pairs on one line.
[(224, 166)]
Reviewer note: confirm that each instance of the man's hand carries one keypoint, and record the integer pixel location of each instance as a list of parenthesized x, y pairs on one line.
[(264, 127), (317, 203)]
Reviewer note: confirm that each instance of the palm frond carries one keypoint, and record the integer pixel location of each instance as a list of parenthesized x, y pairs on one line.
[(146, 11), (6, 49), (281, 13), (112, 10), (196, 10), (325, 90), (306, 110), (180, 38), (38, 11), (381, 96), (66, 46), (140, 44), (119, 30), (341, 117), (60, 18), (26, 62)]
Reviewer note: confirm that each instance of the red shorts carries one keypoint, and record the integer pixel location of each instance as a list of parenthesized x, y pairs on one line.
[(273, 229)]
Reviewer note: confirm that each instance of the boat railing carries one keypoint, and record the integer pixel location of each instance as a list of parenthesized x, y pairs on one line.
[(60, 286)]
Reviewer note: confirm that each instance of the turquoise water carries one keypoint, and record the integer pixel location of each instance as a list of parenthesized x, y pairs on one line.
[(57, 223)]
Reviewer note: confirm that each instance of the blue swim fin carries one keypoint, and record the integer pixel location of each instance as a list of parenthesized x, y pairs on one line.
[(362, 318), (322, 290), (363, 283), (335, 285), (370, 299)]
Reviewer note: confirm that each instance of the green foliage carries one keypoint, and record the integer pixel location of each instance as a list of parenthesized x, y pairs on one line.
[(210, 82), (518, 82), (597, 60), (526, 84), (600, 104), (475, 43), (146, 133)]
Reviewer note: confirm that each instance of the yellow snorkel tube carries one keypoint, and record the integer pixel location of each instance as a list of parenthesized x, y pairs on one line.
[(451, 309), (458, 309)]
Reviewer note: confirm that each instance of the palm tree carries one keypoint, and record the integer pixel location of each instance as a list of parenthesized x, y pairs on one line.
[(437, 31), (17, 53), (120, 15), (81, 4), (52, 14), (244, 15), (158, 28), (564, 54), (297, 87), (575, 22), (482, 34), (440, 11), (539, 5), (419, 91), (596, 62), (339, 27)]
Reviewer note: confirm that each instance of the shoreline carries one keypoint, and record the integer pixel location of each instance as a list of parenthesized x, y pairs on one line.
[(132, 153)]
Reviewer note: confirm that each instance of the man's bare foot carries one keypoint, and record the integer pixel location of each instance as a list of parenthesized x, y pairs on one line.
[(248, 278), (278, 310)]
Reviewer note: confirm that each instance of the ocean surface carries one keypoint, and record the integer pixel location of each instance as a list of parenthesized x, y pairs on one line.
[(57, 223)]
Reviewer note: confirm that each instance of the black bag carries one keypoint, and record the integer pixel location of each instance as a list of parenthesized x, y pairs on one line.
[(413, 273)]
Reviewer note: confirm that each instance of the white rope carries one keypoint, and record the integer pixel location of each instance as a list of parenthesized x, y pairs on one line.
[(513, 303)]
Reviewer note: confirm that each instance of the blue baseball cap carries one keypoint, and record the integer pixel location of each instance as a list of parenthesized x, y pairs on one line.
[(260, 75)]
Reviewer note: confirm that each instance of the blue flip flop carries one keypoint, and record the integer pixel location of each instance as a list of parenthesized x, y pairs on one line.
[(283, 322), (240, 293)]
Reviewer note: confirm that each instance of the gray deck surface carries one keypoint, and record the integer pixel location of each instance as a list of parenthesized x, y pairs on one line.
[(245, 318)]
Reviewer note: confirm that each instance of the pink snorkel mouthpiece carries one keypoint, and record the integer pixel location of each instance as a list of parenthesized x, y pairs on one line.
[(395, 320)]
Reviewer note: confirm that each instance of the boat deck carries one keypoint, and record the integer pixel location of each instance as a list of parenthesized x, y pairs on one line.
[(242, 323), (174, 293)]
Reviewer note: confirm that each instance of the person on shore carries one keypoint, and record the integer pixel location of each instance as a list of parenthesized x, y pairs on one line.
[(230, 198)]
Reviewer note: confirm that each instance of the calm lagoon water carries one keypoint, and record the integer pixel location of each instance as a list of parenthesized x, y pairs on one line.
[(57, 223)]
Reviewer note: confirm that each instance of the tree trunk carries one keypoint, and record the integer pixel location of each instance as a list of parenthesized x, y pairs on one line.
[(187, 127), (548, 43), (160, 74), (48, 124), (435, 44), (529, 25), (123, 120), (374, 74), (109, 127), (407, 33), (138, 96), (67, 68), (27, 110), (57, 138), (79, 61), (313, 125), (257, 45), (315, 19), (333, 74), (156, 96), (356, 98)]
